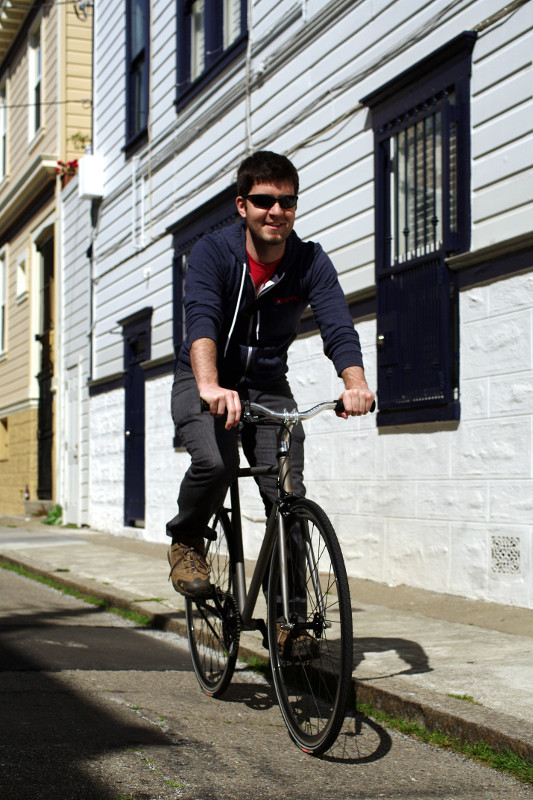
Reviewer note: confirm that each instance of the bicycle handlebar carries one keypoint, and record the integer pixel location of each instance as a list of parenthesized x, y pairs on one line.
[(293, 416), (296, 416)]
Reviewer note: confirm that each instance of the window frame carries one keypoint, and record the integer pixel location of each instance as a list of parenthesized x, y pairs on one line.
[(35, 81), (3, 303), (3, 130), (216, 56), (219, 212), (137, 64), (395, 107)]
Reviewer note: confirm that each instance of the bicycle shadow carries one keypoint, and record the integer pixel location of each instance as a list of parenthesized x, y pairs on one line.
[(361, 741), (407, 650)]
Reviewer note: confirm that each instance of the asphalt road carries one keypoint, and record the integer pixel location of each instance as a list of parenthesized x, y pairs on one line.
[(94, 708)]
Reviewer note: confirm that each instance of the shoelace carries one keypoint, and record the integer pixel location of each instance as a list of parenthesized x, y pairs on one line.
[(197, 562)]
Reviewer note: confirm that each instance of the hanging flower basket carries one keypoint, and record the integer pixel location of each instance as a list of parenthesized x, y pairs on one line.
[(66, 170)]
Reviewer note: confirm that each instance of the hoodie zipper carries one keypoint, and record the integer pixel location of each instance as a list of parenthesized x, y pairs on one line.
[(250, 326), (250, 348)]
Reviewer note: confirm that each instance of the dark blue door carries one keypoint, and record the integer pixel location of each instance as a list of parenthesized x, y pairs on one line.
[(136, 351)]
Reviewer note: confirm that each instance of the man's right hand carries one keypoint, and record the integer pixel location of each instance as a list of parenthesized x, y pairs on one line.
[(204, 367), (220, 401)]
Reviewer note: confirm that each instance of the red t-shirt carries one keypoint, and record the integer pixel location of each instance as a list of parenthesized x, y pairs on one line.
[(261, 272)]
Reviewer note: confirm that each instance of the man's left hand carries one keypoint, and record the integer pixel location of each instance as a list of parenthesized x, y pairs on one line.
[(357, 397)]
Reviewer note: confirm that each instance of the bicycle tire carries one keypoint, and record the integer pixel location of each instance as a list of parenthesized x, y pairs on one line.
[(213, 624), (313, 684)]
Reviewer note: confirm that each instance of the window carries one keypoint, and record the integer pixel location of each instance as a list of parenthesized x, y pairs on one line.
[(3, 132), (22, 281), (210, 34), (35, 87), (213, 215), (3, 304), (137, 76), (421, 123)]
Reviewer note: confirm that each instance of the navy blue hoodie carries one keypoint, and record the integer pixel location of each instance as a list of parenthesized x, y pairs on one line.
[(253, 332)]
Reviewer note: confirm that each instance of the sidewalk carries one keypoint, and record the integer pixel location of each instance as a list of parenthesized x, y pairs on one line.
[(413, 648)]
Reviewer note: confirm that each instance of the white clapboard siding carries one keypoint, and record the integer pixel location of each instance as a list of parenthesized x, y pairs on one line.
[(502, 130), (75, 325), (336, 206)]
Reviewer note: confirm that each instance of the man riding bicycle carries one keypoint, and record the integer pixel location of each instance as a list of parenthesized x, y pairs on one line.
[(246, 289)]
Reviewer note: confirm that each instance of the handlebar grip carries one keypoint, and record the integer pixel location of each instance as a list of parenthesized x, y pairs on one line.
[(339, 408)]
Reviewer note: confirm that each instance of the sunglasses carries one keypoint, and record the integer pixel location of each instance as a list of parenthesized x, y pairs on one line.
[(266, 201)]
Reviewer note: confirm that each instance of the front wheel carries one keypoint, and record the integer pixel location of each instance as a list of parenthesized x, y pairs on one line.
[(312, 661), (213, 623)]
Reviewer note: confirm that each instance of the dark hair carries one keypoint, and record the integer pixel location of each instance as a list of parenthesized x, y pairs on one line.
[(265, 167)]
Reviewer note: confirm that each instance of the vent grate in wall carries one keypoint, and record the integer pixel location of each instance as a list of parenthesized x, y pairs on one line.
[(506, 554)]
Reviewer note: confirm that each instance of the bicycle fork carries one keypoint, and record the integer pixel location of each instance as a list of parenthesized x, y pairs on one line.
[(286, 490)]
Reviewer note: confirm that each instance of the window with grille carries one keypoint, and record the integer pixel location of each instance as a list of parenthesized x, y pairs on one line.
[(137, 73), (211, 33), (421, 123)]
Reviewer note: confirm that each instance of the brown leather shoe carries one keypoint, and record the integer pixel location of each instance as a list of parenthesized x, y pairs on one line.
[(188, 568)]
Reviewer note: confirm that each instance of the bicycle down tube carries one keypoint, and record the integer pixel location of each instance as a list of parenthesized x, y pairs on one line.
[(246, 600)]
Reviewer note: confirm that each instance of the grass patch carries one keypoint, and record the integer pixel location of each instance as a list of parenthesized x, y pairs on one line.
[(258, 664), (508, 762), (125, 613), (149, 600), (466, 697), (54, 517)]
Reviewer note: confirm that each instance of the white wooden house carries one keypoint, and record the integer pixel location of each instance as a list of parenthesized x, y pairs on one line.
[(411, 127)]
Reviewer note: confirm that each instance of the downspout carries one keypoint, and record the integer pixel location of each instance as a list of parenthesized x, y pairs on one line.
[(94, 212), (248, 144)]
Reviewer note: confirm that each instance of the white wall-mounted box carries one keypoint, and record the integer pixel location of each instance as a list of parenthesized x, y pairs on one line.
[(91, 177)]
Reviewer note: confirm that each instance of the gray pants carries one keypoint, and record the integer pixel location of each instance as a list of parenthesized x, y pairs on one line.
[(215, 455)]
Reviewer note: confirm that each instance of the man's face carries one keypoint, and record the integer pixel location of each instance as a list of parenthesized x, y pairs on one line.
[(268, 227)]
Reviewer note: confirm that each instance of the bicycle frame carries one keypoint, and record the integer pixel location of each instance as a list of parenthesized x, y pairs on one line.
[(246, 601)]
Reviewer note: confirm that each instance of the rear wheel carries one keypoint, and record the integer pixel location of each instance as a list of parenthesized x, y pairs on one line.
[(213, 623), (311, 662)]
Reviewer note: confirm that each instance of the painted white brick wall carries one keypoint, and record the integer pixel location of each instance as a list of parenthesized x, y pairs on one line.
[(106, 474), (165, 466)]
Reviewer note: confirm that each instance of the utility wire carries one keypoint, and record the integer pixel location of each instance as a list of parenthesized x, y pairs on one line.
[(86, 102)]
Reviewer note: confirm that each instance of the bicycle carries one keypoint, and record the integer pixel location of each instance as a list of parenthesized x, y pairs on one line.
[(309, 619)]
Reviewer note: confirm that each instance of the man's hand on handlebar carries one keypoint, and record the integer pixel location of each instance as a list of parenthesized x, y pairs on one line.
[(220, 401), (356, 402), (357, 398)]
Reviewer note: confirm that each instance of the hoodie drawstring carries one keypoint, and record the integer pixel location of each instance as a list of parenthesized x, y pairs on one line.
[(236, 308)]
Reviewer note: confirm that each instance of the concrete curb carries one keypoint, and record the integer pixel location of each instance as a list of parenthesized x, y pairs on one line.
[(433, 711)]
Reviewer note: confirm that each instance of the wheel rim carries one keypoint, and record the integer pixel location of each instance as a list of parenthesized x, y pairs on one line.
[(213, 624), (312, 684)]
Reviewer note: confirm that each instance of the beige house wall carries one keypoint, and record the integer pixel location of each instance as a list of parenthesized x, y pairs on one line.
[(19, 366), (28, 209), (78, 84), (18, 466), (23, 148)]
